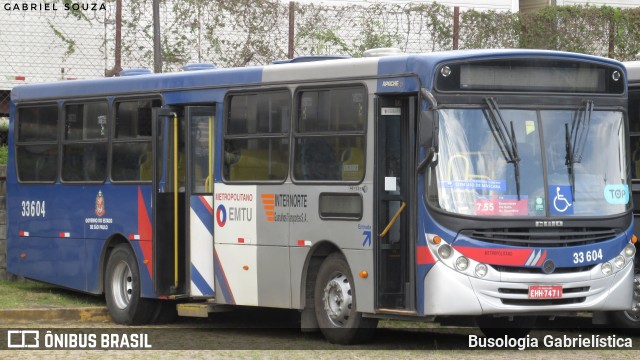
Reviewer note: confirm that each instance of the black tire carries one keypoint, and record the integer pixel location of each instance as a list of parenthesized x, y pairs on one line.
[(499, 327), (122, 289), (629, 319), (335, 304), (166, 312)]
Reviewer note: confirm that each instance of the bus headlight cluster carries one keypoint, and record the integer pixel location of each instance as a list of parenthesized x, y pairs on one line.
[(450, 257), (481, 270), (445, 251), (617, 263), (629, 250), (462, 263)]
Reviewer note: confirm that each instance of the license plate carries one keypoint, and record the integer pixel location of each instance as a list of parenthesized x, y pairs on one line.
[(545, 292)]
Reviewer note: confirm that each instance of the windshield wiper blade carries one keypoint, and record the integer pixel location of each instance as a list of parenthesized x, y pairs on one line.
[(575, 141), (506, 140), (570, 160)]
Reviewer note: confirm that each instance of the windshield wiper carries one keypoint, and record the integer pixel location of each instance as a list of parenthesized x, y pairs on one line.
[(575, 141), (506, 140)]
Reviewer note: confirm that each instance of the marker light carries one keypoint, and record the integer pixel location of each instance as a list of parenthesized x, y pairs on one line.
[(364, 274), (629, 250), (616, 75), (481, 270), (436, 240), (444, 251), (606, 268), (462, 263), (634, 239), (619, 261)]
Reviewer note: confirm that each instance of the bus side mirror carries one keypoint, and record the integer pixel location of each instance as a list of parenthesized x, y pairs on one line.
[(428, 129)]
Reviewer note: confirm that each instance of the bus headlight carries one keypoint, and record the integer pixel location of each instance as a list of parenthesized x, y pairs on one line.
[(607, 268), (444, 251), (619, 261), (462, 263), (629, 250), (481, 270)]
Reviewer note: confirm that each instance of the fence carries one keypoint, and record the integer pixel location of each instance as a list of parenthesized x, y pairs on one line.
[(50, 45)]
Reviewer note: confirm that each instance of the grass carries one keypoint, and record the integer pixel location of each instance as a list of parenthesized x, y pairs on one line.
[(30, 294), (4, 153)]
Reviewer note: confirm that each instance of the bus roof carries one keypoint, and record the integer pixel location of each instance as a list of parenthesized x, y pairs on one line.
[(421, 65)]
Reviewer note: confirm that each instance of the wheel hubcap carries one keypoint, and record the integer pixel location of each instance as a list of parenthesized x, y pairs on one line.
[(122, 285), (337, 300)]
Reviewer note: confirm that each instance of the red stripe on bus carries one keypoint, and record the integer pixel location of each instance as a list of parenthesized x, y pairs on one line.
[(424, 256), (512, 257)]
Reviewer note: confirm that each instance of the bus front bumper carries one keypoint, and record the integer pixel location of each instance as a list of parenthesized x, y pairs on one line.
[(448, 292)]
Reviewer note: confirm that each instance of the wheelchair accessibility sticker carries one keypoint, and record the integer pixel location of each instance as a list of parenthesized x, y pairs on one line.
[(560, 199)]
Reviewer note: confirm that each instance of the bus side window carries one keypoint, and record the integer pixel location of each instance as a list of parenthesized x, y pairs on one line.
[(352, 164), (256, 140), (330, 140), (36, 143), (317, 160), (83, 160), (635, 156), (131, 155)]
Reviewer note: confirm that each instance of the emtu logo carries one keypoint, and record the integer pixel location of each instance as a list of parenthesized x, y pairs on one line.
[(269, 204), (221, 215)]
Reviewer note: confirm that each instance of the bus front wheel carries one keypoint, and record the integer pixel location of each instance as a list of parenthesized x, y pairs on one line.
[(122, 289), (630, 319), (335, 304)]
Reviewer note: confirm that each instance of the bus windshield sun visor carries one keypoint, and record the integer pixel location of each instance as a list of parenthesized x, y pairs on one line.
[(575, 140), (505, 139)]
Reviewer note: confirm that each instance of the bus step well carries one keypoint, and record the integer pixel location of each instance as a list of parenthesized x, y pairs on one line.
[(201, 309)]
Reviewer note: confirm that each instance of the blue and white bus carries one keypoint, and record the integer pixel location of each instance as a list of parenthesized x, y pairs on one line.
[(484, 185)]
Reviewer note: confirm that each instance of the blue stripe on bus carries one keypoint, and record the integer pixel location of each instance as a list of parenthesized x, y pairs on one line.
[(200, 282), (202, 211)]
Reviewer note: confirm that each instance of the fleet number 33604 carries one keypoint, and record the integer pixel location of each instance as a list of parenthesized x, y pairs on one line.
[(33, 208), (591, 255)]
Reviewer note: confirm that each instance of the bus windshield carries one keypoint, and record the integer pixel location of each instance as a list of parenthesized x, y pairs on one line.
[(493, 162)]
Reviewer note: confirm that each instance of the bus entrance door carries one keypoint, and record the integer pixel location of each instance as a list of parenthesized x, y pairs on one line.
[(395, 121), (168, 202), (199, 187)]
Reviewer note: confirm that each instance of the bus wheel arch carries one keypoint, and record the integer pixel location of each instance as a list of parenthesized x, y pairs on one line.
[(122, 287), (313, 261), (113, 241), (630, 319), (335, 303)]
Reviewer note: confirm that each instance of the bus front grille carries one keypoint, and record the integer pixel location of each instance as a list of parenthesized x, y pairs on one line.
[(538, 270), (535, 237), (543, 302)]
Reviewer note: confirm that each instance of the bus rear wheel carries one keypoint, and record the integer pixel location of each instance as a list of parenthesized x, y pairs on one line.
[(335, 304), (122, 289)]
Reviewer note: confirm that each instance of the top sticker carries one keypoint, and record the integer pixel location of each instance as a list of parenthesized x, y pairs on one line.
[(617, 194)]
